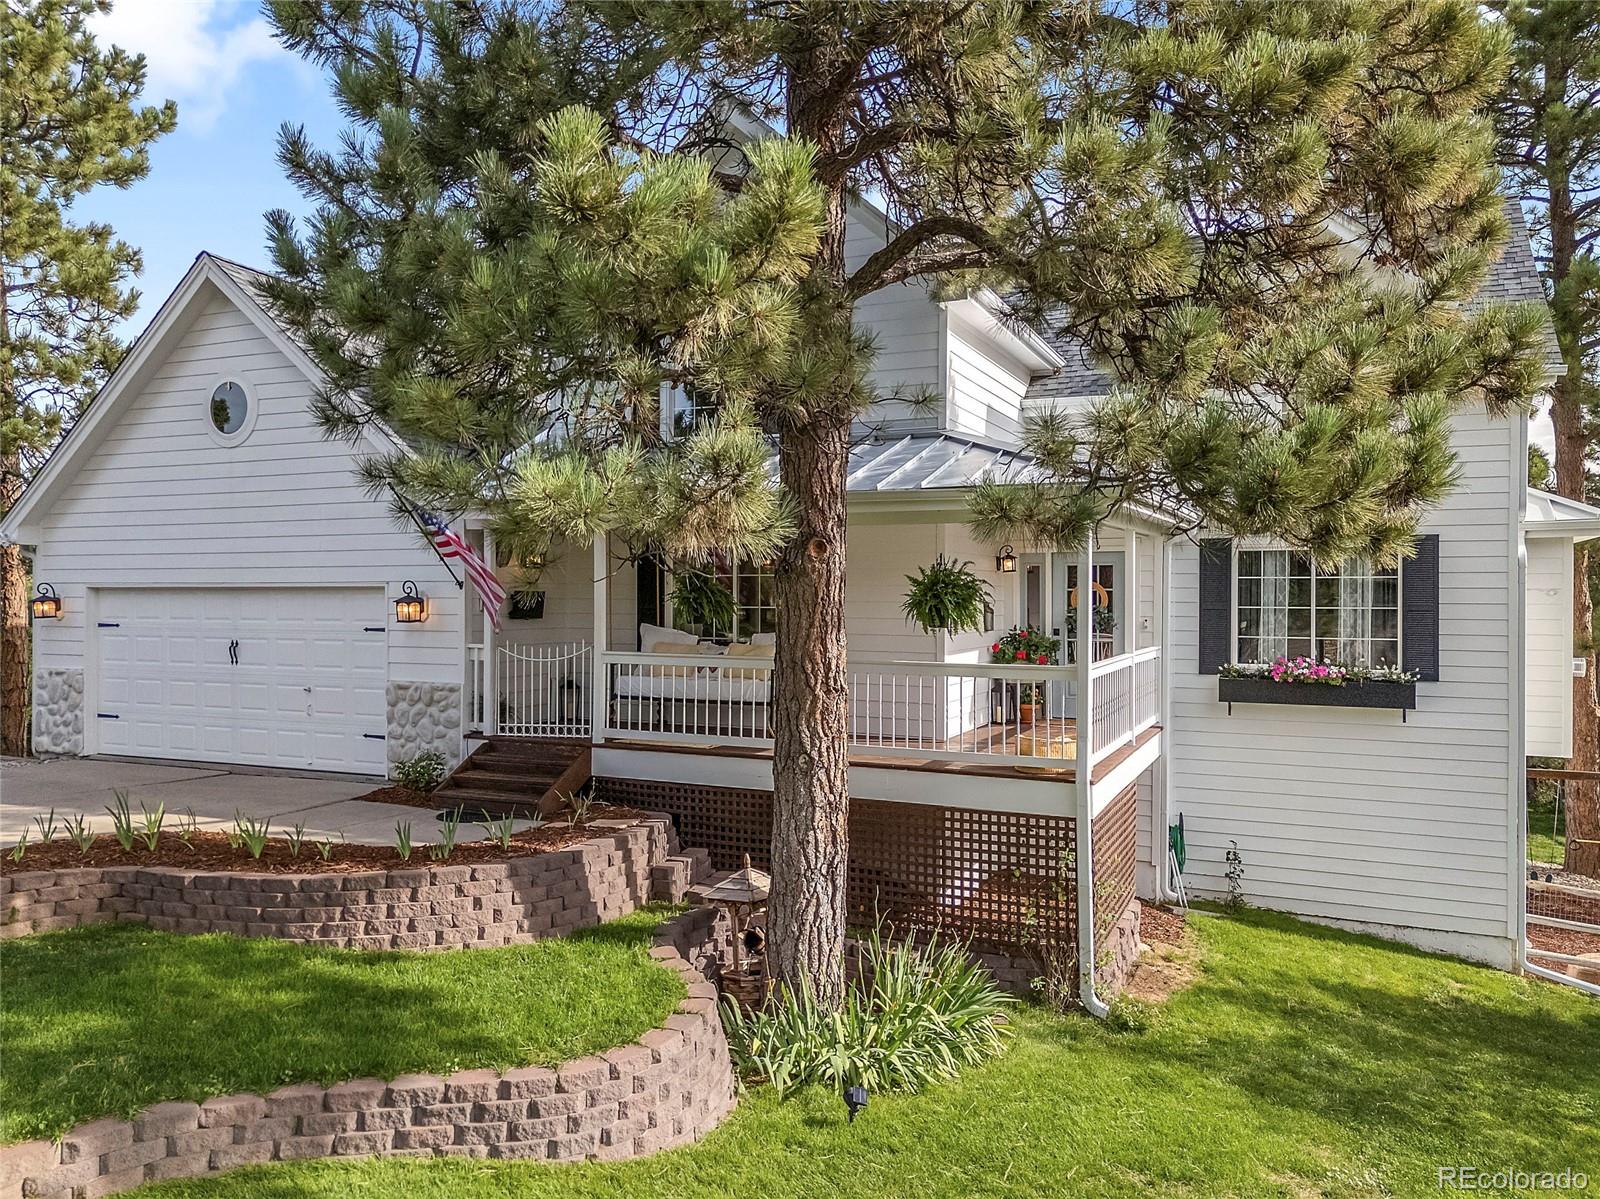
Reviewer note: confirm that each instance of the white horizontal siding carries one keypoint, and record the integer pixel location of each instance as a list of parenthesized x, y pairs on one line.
[(157, 502), (902, 318), (985, 387), (1550, 647), (1351, 814)]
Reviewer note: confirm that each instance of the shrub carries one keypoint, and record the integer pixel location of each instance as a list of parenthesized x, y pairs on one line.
[(422, 773), (923, 1011)]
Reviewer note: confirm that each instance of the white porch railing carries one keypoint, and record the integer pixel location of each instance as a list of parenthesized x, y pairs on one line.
[(955, 711), (541, 690), (1125, 698), (474, 709)]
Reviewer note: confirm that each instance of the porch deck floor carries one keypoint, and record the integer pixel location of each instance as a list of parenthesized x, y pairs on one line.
[(1050, 769)]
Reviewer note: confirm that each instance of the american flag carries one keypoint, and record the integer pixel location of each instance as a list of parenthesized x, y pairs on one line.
[(451, 545)]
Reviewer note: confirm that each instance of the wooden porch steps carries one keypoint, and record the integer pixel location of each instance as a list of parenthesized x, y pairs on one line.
[(509, 776)]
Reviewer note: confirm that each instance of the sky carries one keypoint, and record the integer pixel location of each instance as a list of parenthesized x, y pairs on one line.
[(212, 179)]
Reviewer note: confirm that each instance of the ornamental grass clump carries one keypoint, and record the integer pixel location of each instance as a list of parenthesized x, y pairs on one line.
[(921, 1012)]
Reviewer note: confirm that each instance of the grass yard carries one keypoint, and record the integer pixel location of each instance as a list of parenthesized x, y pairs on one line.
[(1547, 830), (1304, 1062), (106, 1019)]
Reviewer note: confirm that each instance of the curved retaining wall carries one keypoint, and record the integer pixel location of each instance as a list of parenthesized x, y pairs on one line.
[(667, 1088), (421, 907)]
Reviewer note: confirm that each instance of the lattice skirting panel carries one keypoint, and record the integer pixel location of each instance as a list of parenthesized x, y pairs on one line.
[(1006, 880), (1116, 859)]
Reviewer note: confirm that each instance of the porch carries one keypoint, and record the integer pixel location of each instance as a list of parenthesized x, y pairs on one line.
[(645, 677)]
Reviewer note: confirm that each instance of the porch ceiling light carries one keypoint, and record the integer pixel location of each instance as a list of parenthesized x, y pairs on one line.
[(1006, 561), (411, 607), (46, 605)]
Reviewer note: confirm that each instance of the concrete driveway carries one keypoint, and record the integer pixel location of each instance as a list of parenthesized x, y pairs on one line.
[(326, 806)]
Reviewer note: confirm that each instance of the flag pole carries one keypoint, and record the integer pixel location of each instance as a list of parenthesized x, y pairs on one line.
[(416, 518)]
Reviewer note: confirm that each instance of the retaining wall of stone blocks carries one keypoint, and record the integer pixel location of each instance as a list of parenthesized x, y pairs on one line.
[(667, 1088), (625, 864)]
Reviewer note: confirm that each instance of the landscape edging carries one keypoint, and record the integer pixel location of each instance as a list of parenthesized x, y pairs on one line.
[(432, 906), (667, 1088)]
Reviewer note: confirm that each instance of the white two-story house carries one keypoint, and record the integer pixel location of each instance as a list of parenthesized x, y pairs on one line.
[(227, 592)]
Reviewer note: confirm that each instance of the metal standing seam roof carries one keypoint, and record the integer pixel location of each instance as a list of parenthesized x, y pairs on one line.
[(1551, 515), (926, 461)]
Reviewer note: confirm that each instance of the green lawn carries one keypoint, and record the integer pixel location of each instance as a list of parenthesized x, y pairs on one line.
[(1547, 830), (107, 1019), (1304, 1062)]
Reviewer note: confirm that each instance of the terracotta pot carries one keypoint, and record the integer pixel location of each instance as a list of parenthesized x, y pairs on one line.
[(1025, 713)]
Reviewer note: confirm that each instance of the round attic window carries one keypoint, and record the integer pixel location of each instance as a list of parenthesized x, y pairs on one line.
[(229, 407), (230, 411)]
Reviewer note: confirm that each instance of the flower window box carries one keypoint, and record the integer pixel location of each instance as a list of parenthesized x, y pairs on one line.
[(1330, 687)]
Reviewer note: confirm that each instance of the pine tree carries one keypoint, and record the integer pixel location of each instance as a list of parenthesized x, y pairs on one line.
[(1549, 121), (68, 124), (1196, 190)]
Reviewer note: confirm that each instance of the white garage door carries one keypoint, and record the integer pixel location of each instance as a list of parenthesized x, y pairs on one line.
[(260, 677)]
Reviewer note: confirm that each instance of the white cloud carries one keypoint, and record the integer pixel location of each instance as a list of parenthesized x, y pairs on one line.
[(195, 50)]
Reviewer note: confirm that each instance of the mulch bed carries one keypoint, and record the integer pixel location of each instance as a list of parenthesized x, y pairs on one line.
[(1160, 924), (402, 795), (440, 801), (1563, 940), (211, 852)]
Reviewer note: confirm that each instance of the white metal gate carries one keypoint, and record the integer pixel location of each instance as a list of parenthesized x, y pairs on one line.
[(544, 689)]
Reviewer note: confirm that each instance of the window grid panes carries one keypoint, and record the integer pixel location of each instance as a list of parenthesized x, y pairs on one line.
[(1349, 615), (756, 602), (691, 408)]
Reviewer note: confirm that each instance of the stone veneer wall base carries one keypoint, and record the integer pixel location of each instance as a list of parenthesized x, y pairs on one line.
[(667, 1088), (58, 712)]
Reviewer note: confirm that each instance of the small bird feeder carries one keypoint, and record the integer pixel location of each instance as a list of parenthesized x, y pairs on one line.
[(742, 894)]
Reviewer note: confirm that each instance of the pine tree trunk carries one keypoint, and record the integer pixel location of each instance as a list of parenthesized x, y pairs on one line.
[(811, 701), (14, 631), (1571, 469), (810, 767), (1582, 804), (13, 645)]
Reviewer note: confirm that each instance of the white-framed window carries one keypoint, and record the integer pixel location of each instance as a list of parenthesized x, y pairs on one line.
[(754, 598), (1285, 607), (230, 410), (685, 409)]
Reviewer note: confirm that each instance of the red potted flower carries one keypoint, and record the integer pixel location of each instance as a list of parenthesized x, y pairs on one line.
[(1026, 647)]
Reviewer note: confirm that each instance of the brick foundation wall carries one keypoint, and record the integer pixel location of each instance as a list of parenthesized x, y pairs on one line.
[(668, 1088), (422, 907)]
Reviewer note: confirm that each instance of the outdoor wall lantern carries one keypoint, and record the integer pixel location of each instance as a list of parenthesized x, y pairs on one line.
[(47, 604), (1006, 561), (411, 607)]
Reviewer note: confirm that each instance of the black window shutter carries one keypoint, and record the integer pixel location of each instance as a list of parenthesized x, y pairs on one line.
[(1216, 603), (1419, 610)]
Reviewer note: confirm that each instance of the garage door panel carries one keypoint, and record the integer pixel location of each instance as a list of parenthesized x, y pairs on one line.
[(167, 671)]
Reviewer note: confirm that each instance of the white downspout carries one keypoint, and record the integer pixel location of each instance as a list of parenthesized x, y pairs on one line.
[(491, 677), (1083, 785), (600, 684), (1165, 884)]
